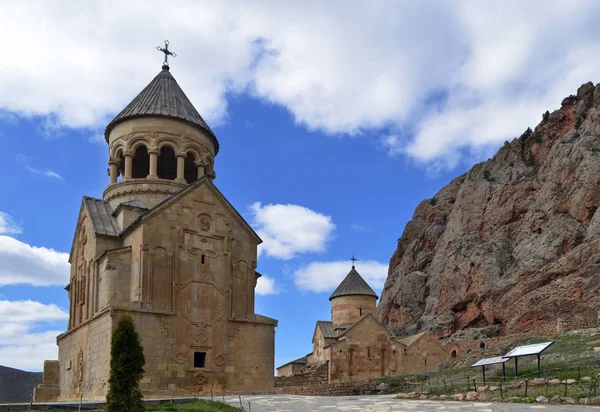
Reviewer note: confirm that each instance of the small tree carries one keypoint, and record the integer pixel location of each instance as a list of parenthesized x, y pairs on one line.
[(126, 368)]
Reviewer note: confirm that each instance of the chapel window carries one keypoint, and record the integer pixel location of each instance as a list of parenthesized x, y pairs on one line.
[(199, 359), (360, 311), (368, 352)]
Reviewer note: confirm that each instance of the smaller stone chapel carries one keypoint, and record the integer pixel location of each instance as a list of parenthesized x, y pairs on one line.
[(356, 346), (166, 246)]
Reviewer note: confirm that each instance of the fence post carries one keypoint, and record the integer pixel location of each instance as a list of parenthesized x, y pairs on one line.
[(80, 400), (30, 405), (452, 383), (241, 406), (526, 385), (444, 385), (249, 407), (566, 385), (579, 372), (474, 385), (468, 384), (501, 392), (211, 395), (223, 396), (547, 385)]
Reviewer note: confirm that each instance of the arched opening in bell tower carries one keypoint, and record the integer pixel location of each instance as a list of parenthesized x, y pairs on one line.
[(141, 163), (190, 171), (121, 164), (167, 163)]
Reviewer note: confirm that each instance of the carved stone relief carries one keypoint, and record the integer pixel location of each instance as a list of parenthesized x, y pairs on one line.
[(199, 378), (220, 360), (181, 357)]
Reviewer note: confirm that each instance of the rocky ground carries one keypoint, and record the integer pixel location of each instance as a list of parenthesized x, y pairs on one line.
[(513, 242)]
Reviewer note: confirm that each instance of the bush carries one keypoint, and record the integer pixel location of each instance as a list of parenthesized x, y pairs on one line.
[(546, 115), (126, 368), (526, 134)]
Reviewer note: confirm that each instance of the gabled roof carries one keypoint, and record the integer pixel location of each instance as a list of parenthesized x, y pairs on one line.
[(300, 361), (204, 180), (100, 213), (410, 340), (353, 284), (163, 97), (368, 315), (326, 329)]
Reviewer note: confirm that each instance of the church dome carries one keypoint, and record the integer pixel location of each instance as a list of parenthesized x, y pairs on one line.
[(353, 284), (163, 97)]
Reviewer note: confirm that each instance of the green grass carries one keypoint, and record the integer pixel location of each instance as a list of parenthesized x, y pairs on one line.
[(198, 406), (570, 357)]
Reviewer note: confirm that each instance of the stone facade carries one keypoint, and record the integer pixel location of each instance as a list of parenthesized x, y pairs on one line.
[(165, 246), (354, 346)]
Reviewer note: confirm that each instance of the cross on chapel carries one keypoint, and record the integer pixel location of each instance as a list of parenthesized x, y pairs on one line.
[(166, 51), (353, 259)]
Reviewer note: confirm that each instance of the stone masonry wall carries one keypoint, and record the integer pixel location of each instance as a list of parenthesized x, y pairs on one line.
[(313, 381)]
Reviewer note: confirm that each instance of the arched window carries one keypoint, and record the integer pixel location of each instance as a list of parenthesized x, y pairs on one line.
[(141, 163), (190, 171), (167, 163), (121, 166)]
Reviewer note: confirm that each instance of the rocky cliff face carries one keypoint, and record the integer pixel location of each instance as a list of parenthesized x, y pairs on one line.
[(513, 242)]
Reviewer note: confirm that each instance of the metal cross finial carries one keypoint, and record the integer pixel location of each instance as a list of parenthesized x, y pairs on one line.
[(167, 52), (353, 259)]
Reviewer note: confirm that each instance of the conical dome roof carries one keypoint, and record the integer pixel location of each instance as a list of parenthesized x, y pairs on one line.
[(353, 284), (163, 98)]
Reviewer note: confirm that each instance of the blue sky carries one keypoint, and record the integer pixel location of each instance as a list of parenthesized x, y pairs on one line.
[(334, 123)]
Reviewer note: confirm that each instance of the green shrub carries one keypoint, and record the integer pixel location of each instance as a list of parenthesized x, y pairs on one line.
[(126, 368), (526, 134), (546, 115)]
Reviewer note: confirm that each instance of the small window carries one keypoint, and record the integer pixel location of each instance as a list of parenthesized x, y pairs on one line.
[(360, 311), (199, 359), (202, 259), (425, 360), (368, 352)]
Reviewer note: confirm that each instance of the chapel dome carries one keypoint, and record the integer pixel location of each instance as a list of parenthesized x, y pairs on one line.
[(353, 284), (163, 97)]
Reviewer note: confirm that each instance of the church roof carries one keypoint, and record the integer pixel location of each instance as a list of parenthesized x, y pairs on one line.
[(163, 98), (409, 340), (353, 284), (300, 361), (326, 329), (101, 216)]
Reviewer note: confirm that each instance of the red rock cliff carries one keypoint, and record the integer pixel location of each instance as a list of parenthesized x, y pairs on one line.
[(515, 241)]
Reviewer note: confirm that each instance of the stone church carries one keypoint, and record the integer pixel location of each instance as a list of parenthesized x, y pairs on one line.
[(164, 245), (356, 346)]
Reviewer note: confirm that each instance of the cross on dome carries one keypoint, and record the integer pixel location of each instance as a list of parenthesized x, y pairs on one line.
[(167, 53)]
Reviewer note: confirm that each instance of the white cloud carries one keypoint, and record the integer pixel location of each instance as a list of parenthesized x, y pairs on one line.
[(265, 286), (452, 76), (47, 173), (326, 276), (8, 225), (26, 264), (21, 345), (287, 230)]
